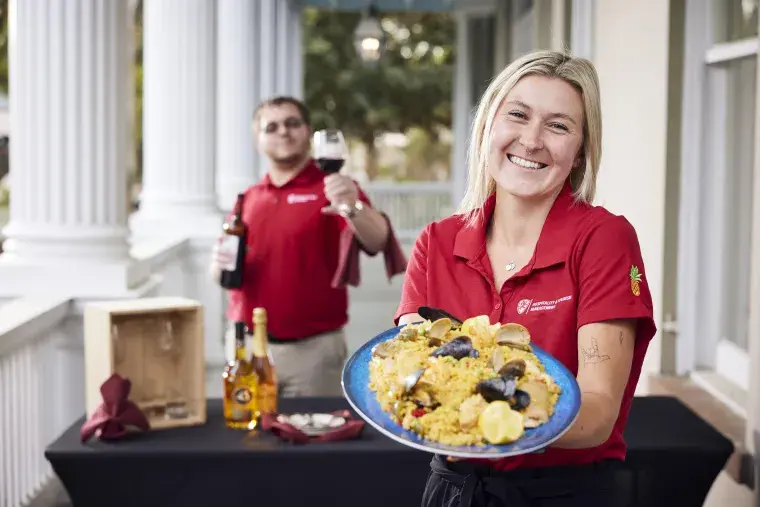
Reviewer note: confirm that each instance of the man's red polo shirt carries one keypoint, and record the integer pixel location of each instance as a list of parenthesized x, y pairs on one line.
[(293, 253), (580, 272)]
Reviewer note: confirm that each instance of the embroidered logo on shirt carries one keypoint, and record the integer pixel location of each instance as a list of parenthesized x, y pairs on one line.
[(528, 305), (300, 198), (635, 277), (523, 305)]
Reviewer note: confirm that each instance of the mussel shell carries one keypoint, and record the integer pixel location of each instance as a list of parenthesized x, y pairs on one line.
[(411, 380), (496, 389), (440, 328), (511, 333), (382, 349), (408, 333), (433, 314), (519, 400), (458, 348), (513, 369), (519, 346)]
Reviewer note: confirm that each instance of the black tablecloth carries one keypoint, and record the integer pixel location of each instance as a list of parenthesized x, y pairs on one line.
[(673, 455)]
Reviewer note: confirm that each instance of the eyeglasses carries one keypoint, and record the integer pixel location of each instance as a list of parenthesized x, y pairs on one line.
[(290, 123)]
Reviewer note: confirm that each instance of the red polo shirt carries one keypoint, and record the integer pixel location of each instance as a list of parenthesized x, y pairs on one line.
[(293, 253), (580, 273)]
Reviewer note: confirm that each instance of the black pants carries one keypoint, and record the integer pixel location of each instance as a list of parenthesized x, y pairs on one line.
[(462, 484)]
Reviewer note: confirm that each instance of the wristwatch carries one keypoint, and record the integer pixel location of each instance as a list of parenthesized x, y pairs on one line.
[(347, 211)]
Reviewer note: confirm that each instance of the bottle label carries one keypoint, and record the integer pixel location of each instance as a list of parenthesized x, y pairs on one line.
[(242, 395), (229, 246)]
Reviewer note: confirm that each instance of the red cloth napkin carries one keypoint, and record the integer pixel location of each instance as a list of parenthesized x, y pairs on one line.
[(115, 414), (352, 429), (348, 264)]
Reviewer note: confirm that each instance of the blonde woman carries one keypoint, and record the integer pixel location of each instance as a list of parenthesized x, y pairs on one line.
[(527, 246)]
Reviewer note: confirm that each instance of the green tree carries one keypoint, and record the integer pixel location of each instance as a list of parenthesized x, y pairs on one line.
[(410, 87)]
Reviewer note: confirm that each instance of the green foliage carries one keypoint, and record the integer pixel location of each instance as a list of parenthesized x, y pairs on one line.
[(425, 153), (411, 86)]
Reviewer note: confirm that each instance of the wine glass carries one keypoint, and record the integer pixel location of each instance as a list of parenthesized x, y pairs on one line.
[(330, 151), (176, 407)]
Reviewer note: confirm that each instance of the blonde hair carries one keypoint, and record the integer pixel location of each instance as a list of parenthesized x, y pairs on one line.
[(579, 73)]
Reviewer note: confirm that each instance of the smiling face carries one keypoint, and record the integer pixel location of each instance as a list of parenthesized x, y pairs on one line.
[(537, 137), (282, 134)]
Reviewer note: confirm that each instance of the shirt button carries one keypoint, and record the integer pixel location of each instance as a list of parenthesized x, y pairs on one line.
[(497, 306)]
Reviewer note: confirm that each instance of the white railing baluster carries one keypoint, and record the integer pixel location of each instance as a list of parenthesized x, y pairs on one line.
[(5, 419), (413, 205), (26, 412)]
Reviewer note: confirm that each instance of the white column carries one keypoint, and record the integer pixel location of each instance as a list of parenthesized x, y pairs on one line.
[(68, 93), (179, 76), (582, 16), (463, 104), (179, 142), (752, 440), (258, 57)]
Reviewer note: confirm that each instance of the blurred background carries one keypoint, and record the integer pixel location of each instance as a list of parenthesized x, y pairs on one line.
[(131, 137)]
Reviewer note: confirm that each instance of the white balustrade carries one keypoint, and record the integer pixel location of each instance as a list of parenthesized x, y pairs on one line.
[(411, 206), (33, 385)]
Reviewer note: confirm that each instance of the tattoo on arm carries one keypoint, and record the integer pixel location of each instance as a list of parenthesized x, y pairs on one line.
[(592, 355)]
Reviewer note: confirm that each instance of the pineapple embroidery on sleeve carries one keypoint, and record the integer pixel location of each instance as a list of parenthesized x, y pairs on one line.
[(635, 277)]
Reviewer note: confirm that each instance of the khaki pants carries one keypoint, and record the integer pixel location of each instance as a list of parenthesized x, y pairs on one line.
[(310, 367)]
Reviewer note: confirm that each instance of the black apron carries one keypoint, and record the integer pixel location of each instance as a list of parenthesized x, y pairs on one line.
[(462, 484)]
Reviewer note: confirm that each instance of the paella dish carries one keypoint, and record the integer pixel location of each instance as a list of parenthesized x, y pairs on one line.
[(462, 383)]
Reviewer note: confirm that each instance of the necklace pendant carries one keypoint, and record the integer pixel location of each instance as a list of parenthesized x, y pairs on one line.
[(511, 266)]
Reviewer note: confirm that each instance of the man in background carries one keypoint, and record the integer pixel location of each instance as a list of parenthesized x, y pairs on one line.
[(293, 252)]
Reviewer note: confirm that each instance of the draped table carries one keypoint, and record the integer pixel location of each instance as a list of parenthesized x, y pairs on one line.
[(673, 459)]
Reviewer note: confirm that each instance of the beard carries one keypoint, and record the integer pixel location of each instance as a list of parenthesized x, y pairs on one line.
[(290, 160)]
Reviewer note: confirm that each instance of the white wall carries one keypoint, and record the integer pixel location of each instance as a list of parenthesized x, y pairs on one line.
[(631, 55)]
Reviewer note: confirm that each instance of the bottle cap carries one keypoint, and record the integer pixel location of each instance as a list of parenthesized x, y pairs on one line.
[(259, 316)]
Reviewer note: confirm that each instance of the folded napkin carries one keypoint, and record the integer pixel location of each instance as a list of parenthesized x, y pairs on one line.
[(348, 264), (352, 429), (115, 414)]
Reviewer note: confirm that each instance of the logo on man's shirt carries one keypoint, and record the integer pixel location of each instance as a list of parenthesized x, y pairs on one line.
[(529, 305), (301, 198)]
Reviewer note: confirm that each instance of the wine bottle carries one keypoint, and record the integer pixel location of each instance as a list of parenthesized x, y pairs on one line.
[(263, 365), (234, 245)]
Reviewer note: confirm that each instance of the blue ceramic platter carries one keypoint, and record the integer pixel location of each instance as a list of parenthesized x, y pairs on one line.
[(355, 382)]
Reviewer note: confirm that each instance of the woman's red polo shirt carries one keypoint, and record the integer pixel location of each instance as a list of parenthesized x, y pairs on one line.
[(580, 272)]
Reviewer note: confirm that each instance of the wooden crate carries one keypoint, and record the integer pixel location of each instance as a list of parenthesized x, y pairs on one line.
[(158, 344)]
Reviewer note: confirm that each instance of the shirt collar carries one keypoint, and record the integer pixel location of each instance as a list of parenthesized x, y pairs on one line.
[(470, 241), (309, 174)]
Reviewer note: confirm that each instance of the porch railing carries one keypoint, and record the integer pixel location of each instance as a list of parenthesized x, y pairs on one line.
[(33, 387), (411, 206)]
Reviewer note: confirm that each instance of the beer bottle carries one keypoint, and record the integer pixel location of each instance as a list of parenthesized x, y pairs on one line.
[(240, 386)]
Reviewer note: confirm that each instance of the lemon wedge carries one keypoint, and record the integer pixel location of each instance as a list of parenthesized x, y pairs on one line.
[(476, 325), (500, 424)]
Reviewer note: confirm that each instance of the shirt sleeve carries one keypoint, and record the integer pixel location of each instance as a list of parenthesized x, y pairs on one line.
[(612, 281), (414, 288)]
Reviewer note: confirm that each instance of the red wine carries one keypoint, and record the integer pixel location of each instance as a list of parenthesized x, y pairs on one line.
[(234, 244), (330, 165)]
